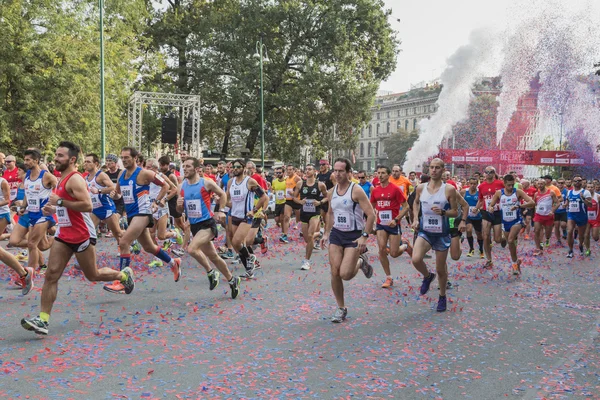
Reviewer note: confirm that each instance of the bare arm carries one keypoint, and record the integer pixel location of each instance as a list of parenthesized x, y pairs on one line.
[(105, 181), (295, 197), (78, 189), (417, 206), (6, 193), (495, 200)]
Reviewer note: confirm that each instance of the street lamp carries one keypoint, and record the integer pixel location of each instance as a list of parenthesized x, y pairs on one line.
[(260, 47), (102, 120)]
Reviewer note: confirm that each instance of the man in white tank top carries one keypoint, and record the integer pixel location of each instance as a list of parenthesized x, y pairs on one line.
[(438, 203), (347, 233)]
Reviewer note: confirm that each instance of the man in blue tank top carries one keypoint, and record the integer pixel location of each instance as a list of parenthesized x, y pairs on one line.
[(578, 199), (471, 196)]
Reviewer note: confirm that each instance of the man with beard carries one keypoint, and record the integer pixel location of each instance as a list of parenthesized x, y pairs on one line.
[(75, 235), (578, 199), (113, 172), (492, 217), (164, 163), (134, 187)]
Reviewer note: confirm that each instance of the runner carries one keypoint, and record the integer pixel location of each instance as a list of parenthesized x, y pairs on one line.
[(387, 199), (11, 174), (291, 181), (195, 200), (437, 200), (560, 216), (471, 196), (365, 184), (113, 172), (326, 176), (134, 187), (510, 199), (279, 187), (75, 235), (531, 190), (546, 204), (164, 163), (310, 194), (492, 217), (593, 212), (578, 199), (347, 233), (400, 180)]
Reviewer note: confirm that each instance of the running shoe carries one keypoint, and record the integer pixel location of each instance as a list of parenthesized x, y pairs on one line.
[(109, 234), (167, 245), (489, 264), (264, 247), (441, 306), (155, 264), (234, 284), (27, 281), (176, 268), (365, 267), (42, 269), (389, 282), (178, 252), (213, 279), (570, 255), (526, 237), (129, 283), (305, 265), (516, 268), (339, 315), (249, 274), (547, 244), (115, 287), (317, 245), (136, 248), (471, 253), (22, 256), (481, 254), (36, 325), (18, 282), (588, 253), (581, 248), (252, 262), (178, 237), (427, 282), (538, 252), (283, 239), (227, 254)]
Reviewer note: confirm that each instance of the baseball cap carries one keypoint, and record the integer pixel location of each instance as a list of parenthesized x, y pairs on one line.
[(323, 162)]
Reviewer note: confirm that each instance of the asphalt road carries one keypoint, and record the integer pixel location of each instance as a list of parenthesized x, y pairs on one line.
[(531, 337)]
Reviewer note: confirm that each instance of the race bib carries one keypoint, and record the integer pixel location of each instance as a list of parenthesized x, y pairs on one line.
[(193, 208), (280, 194), (127, 193), (289, 193), (63, 217), (508, 214), (542, 210), (309, 206), (237, 195), (13, 193), (573, 206), (385, 217), (592, 215), (341, 221), (96, 203), (33, 205), (472, 212), (487, 204), (432, 223)]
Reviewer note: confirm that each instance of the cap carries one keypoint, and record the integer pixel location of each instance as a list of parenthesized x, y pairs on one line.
[(112, 157), (323, 162), (172, 165)]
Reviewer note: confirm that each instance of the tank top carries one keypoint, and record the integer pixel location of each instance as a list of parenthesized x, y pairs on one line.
[(562, 207), (311, 194), (173, 200), (472, 200), (196, 201), (136, 197), (543, 203), (432, 223), (37, 194), (576, 205), (114, 176), (279, 190), (507, 202), (241, 198), (12, 177), (73, 226), (290, 185), (347, 214), (592, 211), (98, 200), (326, 179), (4, 209)]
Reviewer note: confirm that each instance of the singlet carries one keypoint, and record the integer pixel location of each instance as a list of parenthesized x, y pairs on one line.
[(543, 203), (507, 203), (430, 222), (73, 226), (290, 185), (576, 205), (279, 190), (37, 194), (98, 200), (173, 200), (592, 211), (12, 177), (4, 209), (472, 200), (224, 181), (196, 201), (114, 176), (347, 214), (326, 179), (242, 198), (311, 194), (136, 197), (562, 207)]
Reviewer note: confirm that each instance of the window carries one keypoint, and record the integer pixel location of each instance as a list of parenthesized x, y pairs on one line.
[(398, 112), (369, 166), (388, 128), (414, 124), (362, 133), (376, 149), (370, 130), (362, 149), (398, 126), (388, 114), (377, 132), (406, 125), (415, 111), (429, 108), (369, 150), (378, 116)]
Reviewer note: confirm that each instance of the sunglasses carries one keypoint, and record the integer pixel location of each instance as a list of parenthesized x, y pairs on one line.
[(578, 180), (362, 177), (490, 172), (10, 160), (238, 166)]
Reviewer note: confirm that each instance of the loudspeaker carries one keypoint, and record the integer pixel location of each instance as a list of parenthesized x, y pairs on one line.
[(169, 130)]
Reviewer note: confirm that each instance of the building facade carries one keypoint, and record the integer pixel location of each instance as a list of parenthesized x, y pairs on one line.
[(389, 114)]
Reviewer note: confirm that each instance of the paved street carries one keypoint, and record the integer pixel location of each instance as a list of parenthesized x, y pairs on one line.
[(531, 337)]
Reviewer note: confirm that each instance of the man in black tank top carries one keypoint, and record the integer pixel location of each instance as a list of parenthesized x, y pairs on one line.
[(113, 173), (313, 194), (163, 164), (326, 176)]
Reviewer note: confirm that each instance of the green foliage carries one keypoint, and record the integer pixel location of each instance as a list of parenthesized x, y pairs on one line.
[(397, 145)]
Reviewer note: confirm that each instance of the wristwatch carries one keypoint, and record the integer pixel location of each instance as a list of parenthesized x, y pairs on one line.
[(364, 234), (59, 202)]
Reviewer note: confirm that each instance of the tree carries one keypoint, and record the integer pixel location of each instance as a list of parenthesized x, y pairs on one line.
[(397, 145)]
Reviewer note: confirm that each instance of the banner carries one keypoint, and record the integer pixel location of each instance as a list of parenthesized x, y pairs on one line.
[(511, 157)]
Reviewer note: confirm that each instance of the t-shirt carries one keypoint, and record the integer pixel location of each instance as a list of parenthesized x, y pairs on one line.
[(451, 182), (375, 181), (367, 187), (12, 177), (212, 177), (260, 180), (555, 190), (531, 191), (387, 201), (487, 192), (402, 182)]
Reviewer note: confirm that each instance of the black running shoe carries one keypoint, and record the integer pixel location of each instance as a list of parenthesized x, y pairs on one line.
[(234, 284), (213, 278), (441, 306), (570, 255), (35, 324), (427, 282)]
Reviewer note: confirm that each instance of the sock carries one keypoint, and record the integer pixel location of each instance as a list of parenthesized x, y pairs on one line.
[(124, 261), (45, 317), (470, 240), (123, 278), (162, 255), (480, 243), (259, 240), (250, 250), (244, 256)]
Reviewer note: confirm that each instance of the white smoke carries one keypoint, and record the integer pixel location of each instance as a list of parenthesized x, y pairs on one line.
[(464, 68)]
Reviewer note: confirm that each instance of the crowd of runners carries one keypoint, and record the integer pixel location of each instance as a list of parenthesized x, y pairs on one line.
[(151, 205)]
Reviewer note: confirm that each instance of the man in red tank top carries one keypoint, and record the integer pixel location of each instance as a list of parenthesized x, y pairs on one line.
[(75, 235)]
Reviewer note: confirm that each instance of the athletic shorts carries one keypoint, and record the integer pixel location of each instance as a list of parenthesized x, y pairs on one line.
[(437, 243), (254, 222), (526, 212), (120, 206), (562, 217), (6, 217), (344, 239), (161, 212), (391, 231), (454, 232), (41, 220), (208, 224), (279, 209), (595, 223), (580, 220), (325, 207), (293, 204), (147, 216), (173, 208), (24, 220), (78, 247), (103, 213), (476, 224), (306, 217), (545, 220), (495, 218), (507, 226)]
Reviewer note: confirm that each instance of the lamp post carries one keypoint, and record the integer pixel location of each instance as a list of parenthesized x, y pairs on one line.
[(260, 47), (102, 120)]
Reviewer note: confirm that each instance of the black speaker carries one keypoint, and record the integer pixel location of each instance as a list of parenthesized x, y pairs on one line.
[(169, 130)]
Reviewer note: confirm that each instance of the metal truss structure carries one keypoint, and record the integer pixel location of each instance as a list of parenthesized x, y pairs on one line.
[(189, 107)]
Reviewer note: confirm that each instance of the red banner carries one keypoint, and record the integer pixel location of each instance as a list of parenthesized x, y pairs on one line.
[(511, 157)]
